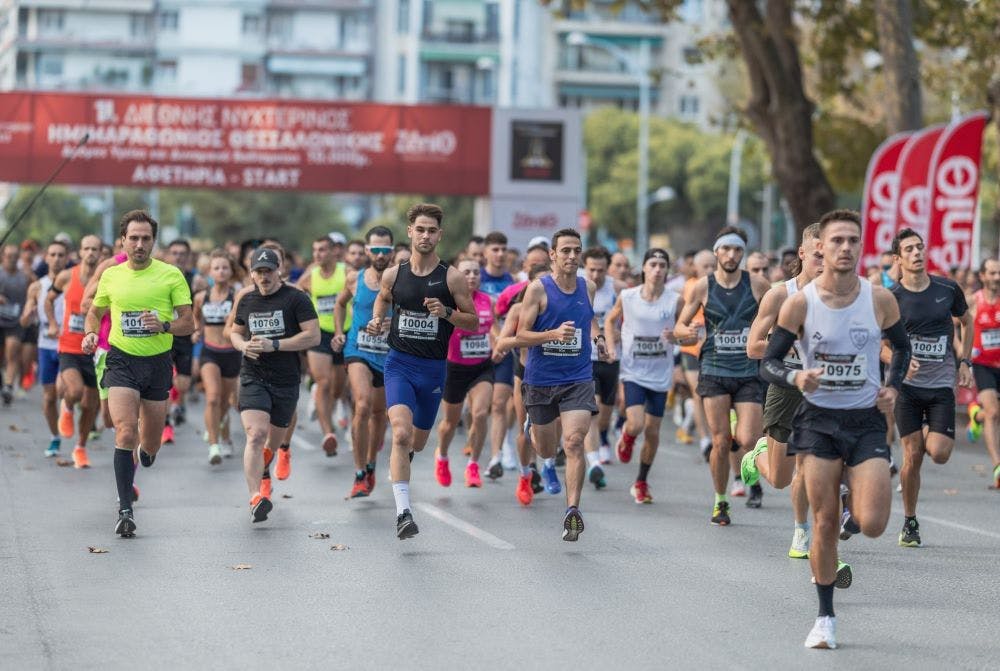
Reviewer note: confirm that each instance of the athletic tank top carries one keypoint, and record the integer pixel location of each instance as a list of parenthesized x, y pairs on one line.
[(414, 330), (646, 357), (604, 300), (845, 343), (470, 348), (794, 357), (359, 344), (986, 332), (561, 363), (728, 315), (215, 313), (323, 291), (45, 342), (71, 338)]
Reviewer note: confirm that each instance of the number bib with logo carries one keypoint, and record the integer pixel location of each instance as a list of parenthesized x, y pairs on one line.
[(648, 346), (267, 324), (325, 304), (991, 339), (794, 357), (215, 313), (475, 346), (132, 325), (10, 310), (372, 344), (842, 372), (417, 326), (572, 348), (732, 342), (76, 320), (929, 349)]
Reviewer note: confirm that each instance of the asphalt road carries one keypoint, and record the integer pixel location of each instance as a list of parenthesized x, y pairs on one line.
[(486, 584)]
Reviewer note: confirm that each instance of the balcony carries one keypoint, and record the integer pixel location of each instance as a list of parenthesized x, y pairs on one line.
[(64, 43)]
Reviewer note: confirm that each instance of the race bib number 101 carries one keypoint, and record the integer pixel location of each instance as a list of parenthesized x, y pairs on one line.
[(132, 326)]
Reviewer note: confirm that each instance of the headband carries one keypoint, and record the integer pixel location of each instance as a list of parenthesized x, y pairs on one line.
[(656, 254), (729, 240)]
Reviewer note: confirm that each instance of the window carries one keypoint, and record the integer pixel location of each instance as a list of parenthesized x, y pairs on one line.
[(279, 26), (51, 20), (250, 76), (50, 66), (251, 24), (142, 25), (460, 31), (403, 17), (168, 21), (492, 20), (166, 71), (690, 106)]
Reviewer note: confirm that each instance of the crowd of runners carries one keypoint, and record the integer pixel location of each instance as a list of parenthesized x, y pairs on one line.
[(795, 370)]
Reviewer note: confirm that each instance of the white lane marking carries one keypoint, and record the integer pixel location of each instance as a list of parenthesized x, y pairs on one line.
[(302, 444), (960, 527), (462, 525)]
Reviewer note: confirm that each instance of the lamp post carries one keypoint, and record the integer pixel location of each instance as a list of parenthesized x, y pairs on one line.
[(639, 68)]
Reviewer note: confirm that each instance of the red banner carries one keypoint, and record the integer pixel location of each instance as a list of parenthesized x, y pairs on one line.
[(878, 205), (914, 165), (953, 185), (147, 141)]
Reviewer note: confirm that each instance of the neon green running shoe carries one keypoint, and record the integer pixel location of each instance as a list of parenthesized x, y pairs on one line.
[(748, 465), (732, 421), (844, 575), (800, 545)]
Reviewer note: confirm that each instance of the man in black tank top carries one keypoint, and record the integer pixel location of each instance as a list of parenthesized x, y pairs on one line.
[(728, 378), (428, 300)]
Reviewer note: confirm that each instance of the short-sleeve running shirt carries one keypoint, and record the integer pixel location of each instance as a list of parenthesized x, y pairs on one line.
[(276, 316), (927, 316)]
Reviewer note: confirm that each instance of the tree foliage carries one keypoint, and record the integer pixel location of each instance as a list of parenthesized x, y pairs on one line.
[(59, 210)]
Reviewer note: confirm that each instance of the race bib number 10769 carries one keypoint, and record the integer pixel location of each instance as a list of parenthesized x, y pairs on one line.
[(267, 324)]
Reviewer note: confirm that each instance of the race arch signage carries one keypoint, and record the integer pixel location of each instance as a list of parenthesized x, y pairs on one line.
[(151, 141)]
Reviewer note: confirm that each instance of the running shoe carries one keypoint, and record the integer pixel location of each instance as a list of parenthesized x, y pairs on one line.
[(126, 524), (848, 527), (756, 498), (330, 444), (93, 435), (65, 422), (508, 457), (552, 485), (167, 436), (800, 544), (624, 449), (7, 395), (283, 468), (536, 480), (909, 537), (737, 489), (227, 448), (495, 471), (683, 437), (844, 575), (605, 455), (53, 449), (720, 514), (265, 486), (975, 428), (80, 459), (824, 634), (405, 526), (260, 506), (370, 478), (28, 379), (525, 493), (572, 524), (442, 473), (472, 478), (640, 492), (360, 488), (595, 474), (214, 454), (145, 458), (179, 414), (748, 465)]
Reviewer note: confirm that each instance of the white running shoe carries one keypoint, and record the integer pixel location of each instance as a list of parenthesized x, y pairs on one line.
[(800, 544), (227, 448), (823, 634), (214, 454), (605, 454)]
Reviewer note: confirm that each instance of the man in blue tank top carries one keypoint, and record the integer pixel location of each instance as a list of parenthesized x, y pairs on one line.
[(555, 322), (428, 300), (728, 378), (364, 355)]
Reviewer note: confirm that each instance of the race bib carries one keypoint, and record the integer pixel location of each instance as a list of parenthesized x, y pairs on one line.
[(417, 325), (648, 346), (216, 313), (991, 339), (132, 326), (731, 342), (475, 346), (794, 357), (372, 344), (324, 304), (929, 349), (842, 372), (571, 348), (10, 310), (76, 322), (267, 324)]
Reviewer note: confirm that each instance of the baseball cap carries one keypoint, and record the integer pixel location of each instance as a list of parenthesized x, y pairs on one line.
[(337, 238), (538, 240), (265, 258)]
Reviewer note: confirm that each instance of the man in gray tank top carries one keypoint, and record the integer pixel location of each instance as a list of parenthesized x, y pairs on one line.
[(13, 294)]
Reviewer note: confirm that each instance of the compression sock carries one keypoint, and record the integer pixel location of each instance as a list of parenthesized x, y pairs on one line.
[(124, 472), (825, 593), (643, 471)]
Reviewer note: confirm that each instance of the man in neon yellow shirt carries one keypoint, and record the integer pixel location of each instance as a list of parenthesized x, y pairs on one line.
[(142, 295)]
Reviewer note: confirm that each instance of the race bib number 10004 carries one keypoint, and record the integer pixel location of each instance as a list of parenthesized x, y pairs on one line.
[(417, 325), (267, 324), (132, 326)]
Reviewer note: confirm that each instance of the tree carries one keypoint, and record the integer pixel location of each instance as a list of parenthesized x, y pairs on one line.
[(57, 211), (903, 101)]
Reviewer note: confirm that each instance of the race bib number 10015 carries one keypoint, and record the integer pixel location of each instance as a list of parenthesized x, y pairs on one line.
[(648, 346)]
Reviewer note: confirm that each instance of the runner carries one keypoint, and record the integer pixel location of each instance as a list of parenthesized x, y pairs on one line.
[(365, 357), (182, 351), (13, 294), (273, 322), (758, 264), (704, 265), (326, 367), (555, 322), (48, 344), (619, 268), (76, 369), (220, 362), (355, 258), (428, 300), (728, 378), (647, 313), (769, 458), (840, 320), (986, 361), (140, 295)]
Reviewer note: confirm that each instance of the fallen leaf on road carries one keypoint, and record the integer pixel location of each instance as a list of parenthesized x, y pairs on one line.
[(13, 428), (951, 492), (319, 535), (96, 551), (241, 567), (62, 461), (979, 468), (286, 496), (339, 547)]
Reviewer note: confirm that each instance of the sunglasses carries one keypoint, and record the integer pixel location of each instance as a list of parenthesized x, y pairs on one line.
[(379, 250)]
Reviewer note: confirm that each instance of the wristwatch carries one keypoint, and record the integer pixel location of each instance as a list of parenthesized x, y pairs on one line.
[(275, 343), (967, 362), (448, 312), (166, 327)]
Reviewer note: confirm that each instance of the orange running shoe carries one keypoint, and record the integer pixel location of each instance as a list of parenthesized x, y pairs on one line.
[(80, 459), (330, 445), (265, 488), (370, 480), (284, 466), (360, 488), (472, 478), (66, 422), (442, 472), (525, 494), (168, 435), (28, 379), (260, 506)]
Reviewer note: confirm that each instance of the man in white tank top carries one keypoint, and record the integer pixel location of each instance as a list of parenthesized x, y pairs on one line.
[(840, 320)]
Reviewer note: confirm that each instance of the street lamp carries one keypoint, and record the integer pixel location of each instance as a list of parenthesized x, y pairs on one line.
[(639, 68)]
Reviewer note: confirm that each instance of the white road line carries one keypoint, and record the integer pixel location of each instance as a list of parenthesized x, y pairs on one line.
[(301, 443), (462, 525), (960, 527)]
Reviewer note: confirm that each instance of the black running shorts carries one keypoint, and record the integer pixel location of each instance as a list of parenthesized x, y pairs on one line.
[(933, 407), (544, 404), (852, 435), (740, 389), (151, 376), (460, 379), (606, 381), (276, 400), (82, 363)]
